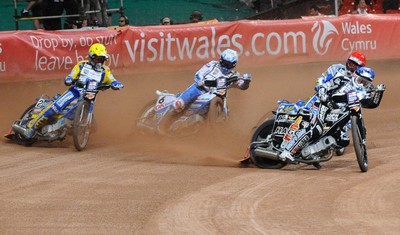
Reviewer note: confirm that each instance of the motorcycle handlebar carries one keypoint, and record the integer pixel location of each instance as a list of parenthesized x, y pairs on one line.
[(104, 87), (100, 87), (228, 82)]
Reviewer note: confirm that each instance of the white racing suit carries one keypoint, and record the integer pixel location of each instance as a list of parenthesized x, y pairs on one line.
[(210, 71)]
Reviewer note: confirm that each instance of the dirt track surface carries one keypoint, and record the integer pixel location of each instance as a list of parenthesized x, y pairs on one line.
[(127, 184)]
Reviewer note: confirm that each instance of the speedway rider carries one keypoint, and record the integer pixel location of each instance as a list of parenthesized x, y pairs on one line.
[(353, 62), (215, 71), (333, 91), (92, 68)]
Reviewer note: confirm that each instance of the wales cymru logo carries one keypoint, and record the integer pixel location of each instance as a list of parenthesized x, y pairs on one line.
[(324, 32)]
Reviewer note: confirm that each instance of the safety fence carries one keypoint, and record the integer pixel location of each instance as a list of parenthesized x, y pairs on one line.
[(40, 55)]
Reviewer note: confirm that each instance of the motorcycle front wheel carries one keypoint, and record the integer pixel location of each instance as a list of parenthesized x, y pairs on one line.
[(81, 125), (260, 134), (216, 114), (359, 139)]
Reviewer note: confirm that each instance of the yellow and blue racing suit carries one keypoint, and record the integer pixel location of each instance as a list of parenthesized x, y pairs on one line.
[(81, 71)]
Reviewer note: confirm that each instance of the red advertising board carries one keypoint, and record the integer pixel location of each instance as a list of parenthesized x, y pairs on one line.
[(39, 55)]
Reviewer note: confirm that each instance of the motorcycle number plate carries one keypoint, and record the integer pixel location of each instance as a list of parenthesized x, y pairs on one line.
[(159, 106), (92, 85), (352, 97), (221, 82), (41, 103)]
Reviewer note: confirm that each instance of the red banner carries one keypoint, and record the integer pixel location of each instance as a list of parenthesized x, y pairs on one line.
[(38, 55)]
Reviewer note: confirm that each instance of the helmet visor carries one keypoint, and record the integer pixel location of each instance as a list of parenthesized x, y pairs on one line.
[(227, 64), (352, 66), (361, 81), (98, 59)]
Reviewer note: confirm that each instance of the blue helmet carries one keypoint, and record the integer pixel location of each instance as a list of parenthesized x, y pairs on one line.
[(363, 77), (228, 60)]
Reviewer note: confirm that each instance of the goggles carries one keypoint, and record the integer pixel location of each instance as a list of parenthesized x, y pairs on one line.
[(227, 64), (98, 59), (364, 82), (352, 65)]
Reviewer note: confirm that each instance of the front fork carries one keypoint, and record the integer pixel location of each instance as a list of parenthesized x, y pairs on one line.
[(226, 110), (90, 114)]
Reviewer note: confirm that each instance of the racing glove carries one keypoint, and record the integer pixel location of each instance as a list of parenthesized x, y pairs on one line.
[(380, 87), (244, 82), (116, 85), (247, 77), (68, 81)]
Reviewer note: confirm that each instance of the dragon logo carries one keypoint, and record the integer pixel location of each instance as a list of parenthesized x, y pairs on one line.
[(322, 37)]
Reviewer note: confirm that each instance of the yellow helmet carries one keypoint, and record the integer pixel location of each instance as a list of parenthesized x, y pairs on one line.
[(98, 49), (97, 54)]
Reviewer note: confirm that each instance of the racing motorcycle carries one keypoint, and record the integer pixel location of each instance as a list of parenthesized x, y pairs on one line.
[(265, 146), (210, 108), (76, 119), (307, 105)]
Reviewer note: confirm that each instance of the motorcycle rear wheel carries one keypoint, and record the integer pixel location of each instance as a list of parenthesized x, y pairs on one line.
[(359, 137), (24, 121), (260, 134), (145, 116), (81, 125)]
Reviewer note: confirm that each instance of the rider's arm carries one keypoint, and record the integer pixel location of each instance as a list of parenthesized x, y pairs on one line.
[(108, 76), (328, 75), (74, 75), (374, 98), (200, 75), (109, 79), (244, 82)]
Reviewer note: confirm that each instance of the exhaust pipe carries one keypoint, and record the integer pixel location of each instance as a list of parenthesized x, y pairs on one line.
[(18, 129), (269, 154)]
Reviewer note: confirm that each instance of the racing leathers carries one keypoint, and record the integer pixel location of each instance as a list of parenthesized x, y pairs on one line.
[(332, 98), (210, 72), (370, 97), (78, 76)]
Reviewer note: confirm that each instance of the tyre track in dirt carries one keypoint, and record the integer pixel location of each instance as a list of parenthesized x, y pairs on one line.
[(289, 202), (126, 183)]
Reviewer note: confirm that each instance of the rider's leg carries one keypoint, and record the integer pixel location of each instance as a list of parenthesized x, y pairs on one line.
[(188, 96), (303, 136)]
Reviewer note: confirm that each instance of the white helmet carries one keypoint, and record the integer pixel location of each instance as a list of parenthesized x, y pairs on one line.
[(228, 60)]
